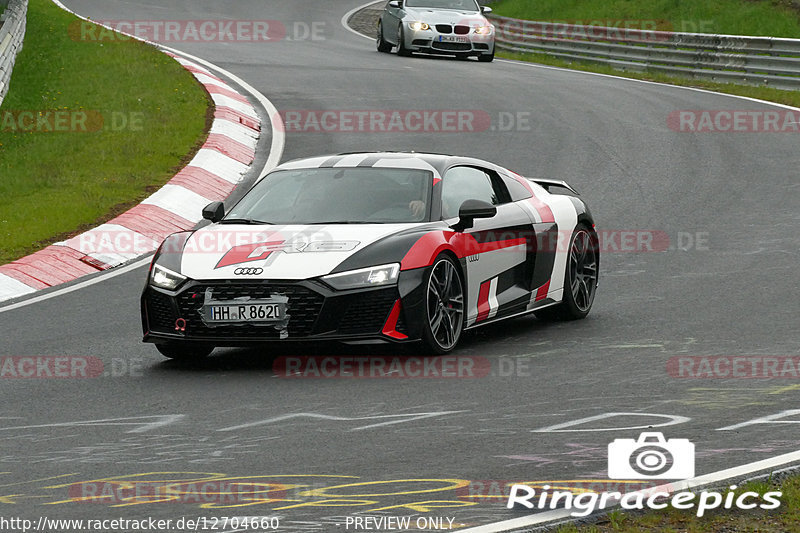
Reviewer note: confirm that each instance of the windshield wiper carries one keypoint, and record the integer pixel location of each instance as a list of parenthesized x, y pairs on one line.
[(242, 221), (340, 222)]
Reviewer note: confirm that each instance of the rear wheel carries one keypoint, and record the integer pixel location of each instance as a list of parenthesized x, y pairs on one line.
[(580, 278), (382, 45), (184, 352), (401, 43), (444, 309)]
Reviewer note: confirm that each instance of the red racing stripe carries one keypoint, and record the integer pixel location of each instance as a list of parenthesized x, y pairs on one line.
[(231, 148), (232, 115), (541, 293), (216, 89), (425, 250), (391, 323), (483, 301), (203, 182), (152, 221)]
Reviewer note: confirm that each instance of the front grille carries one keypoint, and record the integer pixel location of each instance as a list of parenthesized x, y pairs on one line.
[(367, 312), (303, 309), (461, 30), (481, 46), (444, 28), (160, 313), (452, 47)]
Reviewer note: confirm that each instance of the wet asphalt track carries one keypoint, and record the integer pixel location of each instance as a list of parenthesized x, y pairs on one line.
[(736, 294)]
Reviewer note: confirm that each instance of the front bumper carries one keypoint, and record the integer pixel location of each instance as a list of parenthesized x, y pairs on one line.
[(439, 39), (316, 312)]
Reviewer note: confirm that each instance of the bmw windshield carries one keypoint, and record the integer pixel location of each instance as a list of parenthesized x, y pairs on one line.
[(461, 5), (337, 196)]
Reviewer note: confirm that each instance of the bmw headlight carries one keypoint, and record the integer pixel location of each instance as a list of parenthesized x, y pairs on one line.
[(376, 276), (165, 278), (484, 30), (419, 25)]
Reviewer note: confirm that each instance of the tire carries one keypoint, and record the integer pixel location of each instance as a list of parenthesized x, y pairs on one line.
[(580, 278), (444, 306), (401, 43), (486, 58), (382, 45), (184, 352)]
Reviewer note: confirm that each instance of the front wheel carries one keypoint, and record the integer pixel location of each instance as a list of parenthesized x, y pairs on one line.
[(486, 58), (580, 278), (444, 309), (401, 43), (184, 352), (382, 45)]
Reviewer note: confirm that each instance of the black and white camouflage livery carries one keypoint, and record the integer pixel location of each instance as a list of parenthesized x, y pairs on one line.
[(527, 245)]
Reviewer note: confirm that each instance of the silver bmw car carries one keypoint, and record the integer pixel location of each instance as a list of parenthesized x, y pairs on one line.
[(453, 27)]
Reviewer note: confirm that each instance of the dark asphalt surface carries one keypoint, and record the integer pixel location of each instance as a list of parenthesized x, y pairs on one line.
[(736, 295)]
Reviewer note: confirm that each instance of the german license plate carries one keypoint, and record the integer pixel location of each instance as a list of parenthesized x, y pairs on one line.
[(452, 39), (247, 312)]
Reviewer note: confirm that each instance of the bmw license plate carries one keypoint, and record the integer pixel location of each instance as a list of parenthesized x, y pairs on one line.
[(452, 39), (250, 312)]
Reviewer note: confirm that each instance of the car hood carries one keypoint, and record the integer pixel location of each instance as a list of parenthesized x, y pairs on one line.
[(445, 16), (277, 252)]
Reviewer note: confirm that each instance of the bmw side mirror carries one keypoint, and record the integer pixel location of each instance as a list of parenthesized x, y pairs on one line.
[(472, 209), (486, 9), (214, 211), (395, 4)]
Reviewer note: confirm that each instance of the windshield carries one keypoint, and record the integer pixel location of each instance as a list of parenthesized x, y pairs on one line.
[(338, 195), (463, 5)]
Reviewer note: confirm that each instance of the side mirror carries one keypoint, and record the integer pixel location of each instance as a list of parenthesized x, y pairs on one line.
[(395, 4), (486, 10), (214, 211), (472, 209)]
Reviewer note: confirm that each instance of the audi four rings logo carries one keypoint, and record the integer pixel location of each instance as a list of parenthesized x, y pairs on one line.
[(248, 271)]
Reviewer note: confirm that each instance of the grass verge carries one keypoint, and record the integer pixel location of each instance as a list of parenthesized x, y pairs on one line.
[(785, 519), (128, 117), (777, 18)]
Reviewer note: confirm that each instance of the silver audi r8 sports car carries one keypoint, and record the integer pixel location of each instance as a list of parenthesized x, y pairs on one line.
[(373, 247), (454, 27)]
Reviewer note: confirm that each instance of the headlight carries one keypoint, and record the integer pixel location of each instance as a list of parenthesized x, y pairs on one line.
[(484, 30), (366, 277), (418, 26), (166, 278)]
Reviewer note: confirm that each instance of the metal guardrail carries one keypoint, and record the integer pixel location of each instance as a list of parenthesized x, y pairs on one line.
[(12, 33), (762, 61)]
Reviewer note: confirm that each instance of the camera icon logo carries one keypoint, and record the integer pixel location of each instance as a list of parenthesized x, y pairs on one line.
[(651, 457)]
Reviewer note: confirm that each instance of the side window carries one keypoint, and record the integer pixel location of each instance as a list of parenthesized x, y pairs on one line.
[(470, 183)]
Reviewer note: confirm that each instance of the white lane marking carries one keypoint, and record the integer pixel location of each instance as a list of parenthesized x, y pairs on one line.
[(108, 274), (558, 428), (278, 130), (695, 482), (395, 419), (347, 16), (706, 91), (350, 13)]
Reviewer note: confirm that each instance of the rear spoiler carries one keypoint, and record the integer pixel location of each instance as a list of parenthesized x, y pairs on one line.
[(547, 183)]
